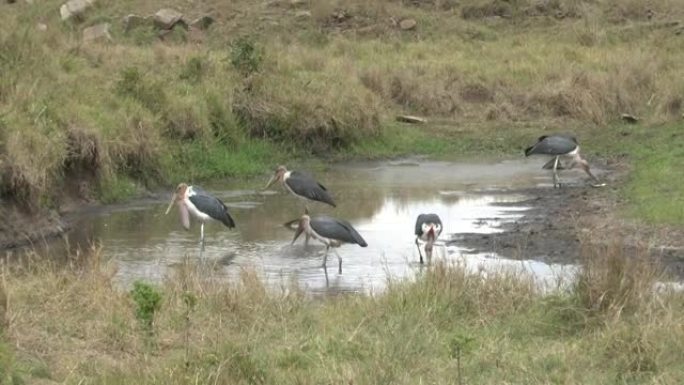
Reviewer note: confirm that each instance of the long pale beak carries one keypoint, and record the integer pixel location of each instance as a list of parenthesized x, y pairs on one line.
[(596, 180), (298, 232), (270, 182), (430, 242), (173, 200)]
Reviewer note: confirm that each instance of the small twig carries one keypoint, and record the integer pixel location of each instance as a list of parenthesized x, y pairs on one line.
[(458, 365), (356, 331)]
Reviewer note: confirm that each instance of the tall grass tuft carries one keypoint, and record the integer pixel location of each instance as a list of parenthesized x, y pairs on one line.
[(616, 281)]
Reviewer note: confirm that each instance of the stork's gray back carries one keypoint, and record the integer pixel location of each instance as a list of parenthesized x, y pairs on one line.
[(553, 145), (305, 185), (337, 229), (213, 207)]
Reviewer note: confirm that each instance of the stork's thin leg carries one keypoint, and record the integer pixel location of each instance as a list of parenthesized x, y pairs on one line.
[(419, 253), (202, 236), (556, 181), (306, 240), (339, 259), (325, 256), (327, 281)]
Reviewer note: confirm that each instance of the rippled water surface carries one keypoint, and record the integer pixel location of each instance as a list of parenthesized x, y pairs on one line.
[(381, 199)]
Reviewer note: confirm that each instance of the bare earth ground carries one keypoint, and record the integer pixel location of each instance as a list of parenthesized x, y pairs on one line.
[(561, 220)]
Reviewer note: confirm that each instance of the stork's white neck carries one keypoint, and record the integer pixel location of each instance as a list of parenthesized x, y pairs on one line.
[(286, 175)]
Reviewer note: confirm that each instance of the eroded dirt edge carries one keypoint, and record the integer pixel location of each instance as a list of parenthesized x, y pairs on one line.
[(560, 222)]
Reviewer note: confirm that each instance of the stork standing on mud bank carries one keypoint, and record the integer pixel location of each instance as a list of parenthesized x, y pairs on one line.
[(428, 229), (203, 207), (561, 146), (301, 185), (332, 232)]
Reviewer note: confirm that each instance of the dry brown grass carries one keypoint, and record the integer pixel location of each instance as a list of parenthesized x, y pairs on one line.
[(618, 281), (71, 322)]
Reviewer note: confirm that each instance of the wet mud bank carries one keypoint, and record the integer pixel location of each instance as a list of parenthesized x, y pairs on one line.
[(20, 228), (558, 223)]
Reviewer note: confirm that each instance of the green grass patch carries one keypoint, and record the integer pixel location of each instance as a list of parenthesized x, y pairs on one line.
[(656, 184), (198, 161)]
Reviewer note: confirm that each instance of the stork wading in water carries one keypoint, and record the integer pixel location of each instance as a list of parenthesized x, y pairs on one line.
[(563, 148), (428, 229), (301, 185), (332, 232), (203, 207)]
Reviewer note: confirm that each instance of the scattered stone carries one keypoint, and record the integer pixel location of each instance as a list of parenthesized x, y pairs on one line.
[(74, 8), (303, 15), (41, 27), (97, 32), (408, 24), (203, 22), (340, 15), (411, 119), (133, 21), (167, 18), (629, 118)]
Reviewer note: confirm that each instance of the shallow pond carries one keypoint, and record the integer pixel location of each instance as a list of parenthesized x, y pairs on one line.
[(381, 200)]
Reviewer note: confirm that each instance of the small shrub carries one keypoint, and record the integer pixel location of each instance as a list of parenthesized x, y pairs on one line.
[(148, 302), (245, 56)]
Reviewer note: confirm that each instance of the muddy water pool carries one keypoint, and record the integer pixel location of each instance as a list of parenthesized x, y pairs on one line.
[(381, 199)]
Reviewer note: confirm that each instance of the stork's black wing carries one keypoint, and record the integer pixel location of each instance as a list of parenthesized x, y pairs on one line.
[(426, 218), (553, 145), (305, 185), (338, 229), (213, 207)]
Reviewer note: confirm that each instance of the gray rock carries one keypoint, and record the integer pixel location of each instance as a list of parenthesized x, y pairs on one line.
[(202, 22), (97, 32), (74, 8), (303, 15), (133, 21), (411, 119), (41, 27), (407, 24), (629, 118), (167, 18)]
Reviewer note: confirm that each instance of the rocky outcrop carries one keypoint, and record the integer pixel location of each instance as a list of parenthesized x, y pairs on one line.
[(168, 18), (74, 8), (408, 24), (202, 22), (97, 32)]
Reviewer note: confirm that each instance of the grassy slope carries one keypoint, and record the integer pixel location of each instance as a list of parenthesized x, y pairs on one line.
[(611, 328), (140, 111)]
